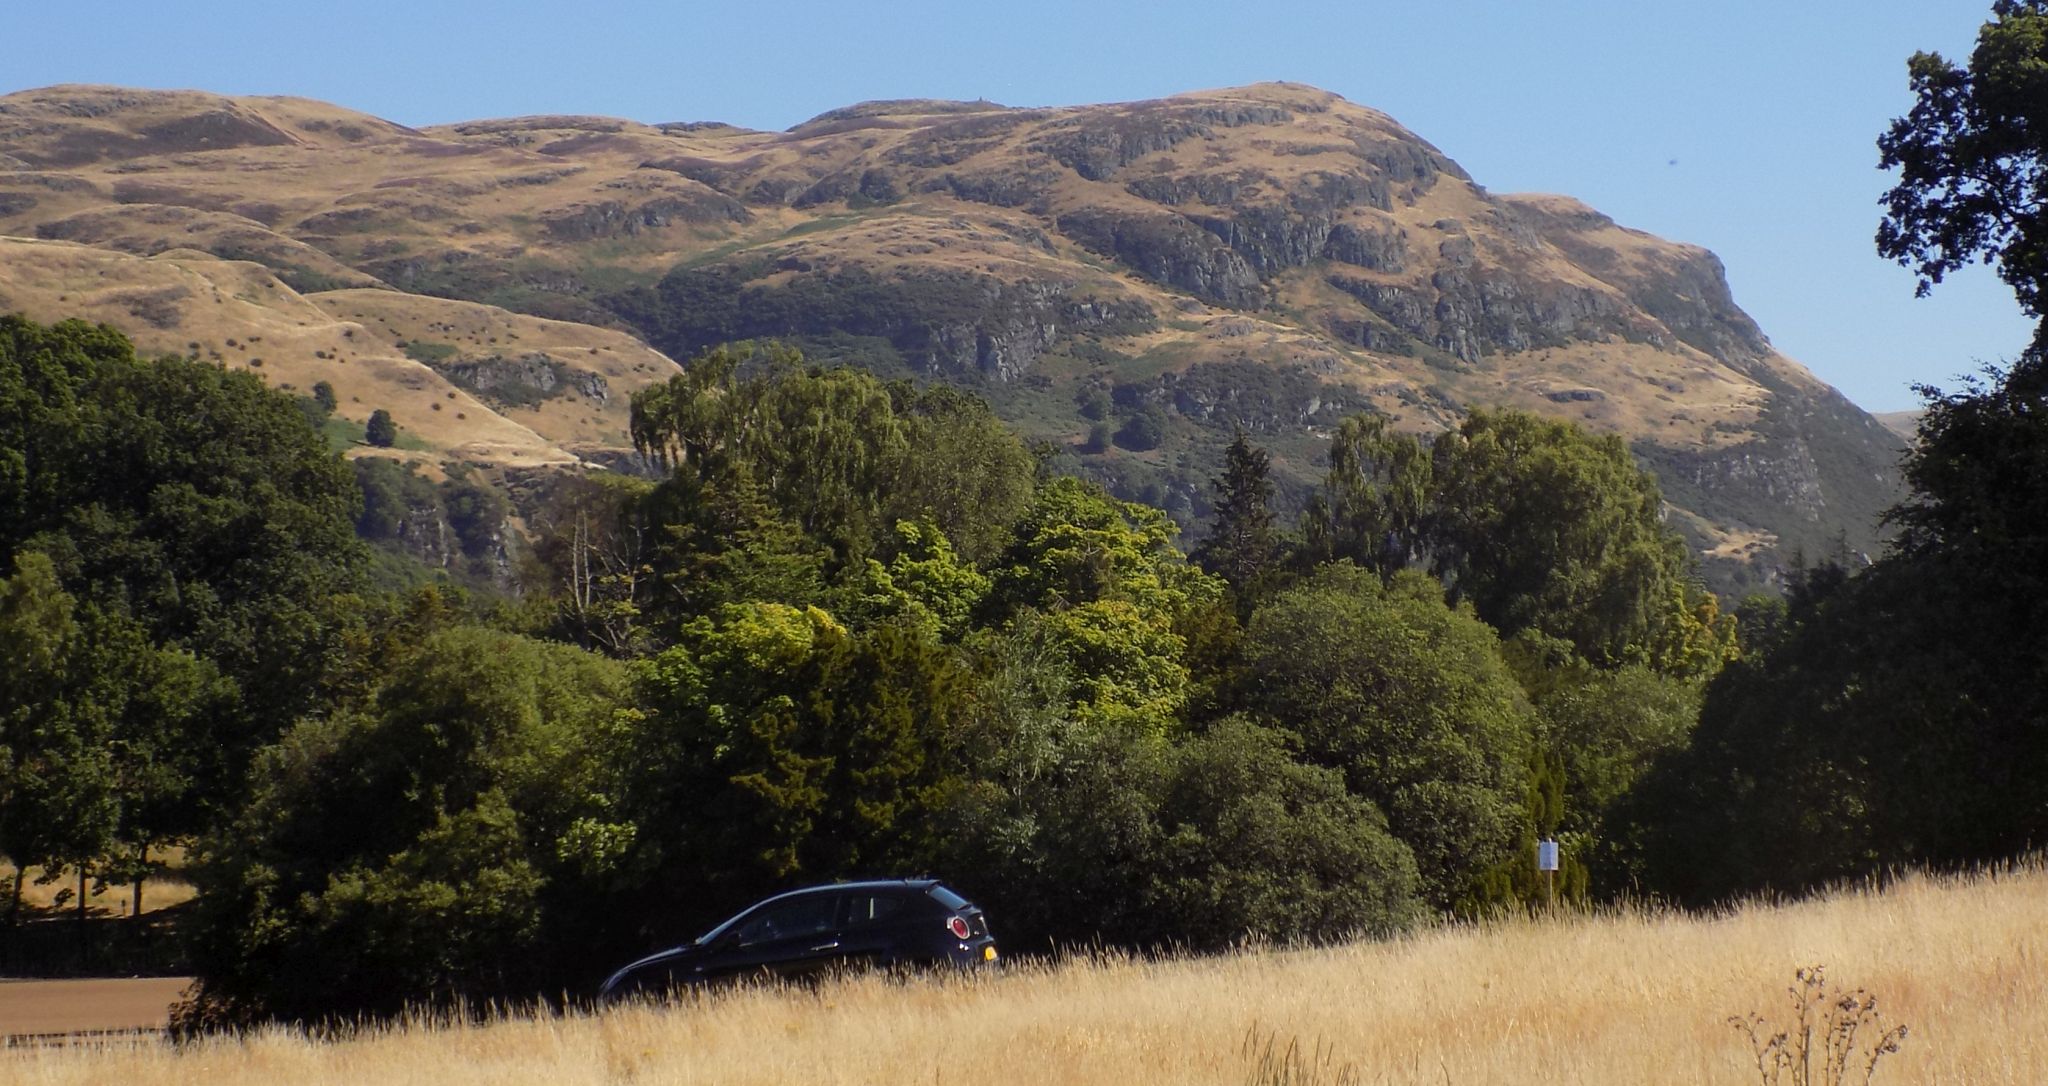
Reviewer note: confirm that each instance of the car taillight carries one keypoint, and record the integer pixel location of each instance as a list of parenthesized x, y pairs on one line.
[(958, 926)]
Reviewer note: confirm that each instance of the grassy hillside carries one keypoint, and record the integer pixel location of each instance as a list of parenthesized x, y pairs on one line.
[(1631, 998), (465, 382), (1268, 257)]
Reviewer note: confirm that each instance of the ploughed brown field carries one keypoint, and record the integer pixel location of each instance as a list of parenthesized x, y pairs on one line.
[(1627, 997), (44, 1007)]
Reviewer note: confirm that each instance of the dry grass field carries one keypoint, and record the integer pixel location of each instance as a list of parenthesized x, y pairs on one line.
[(163, 889), (1624, 998)]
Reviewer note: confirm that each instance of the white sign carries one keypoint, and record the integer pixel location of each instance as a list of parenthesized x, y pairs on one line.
[(1546, 855)]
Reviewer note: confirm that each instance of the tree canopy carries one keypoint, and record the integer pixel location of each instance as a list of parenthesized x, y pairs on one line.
[(189, 500), (1972, 159)]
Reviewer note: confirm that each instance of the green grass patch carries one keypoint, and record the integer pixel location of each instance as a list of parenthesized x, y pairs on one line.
[(823, 223), (342, 434), (429, 352)]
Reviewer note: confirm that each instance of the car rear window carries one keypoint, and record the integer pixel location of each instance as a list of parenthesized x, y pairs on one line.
[(870, 908), (947, 898)]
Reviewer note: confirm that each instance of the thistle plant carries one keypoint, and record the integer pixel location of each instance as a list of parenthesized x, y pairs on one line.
[(1832, 1039)]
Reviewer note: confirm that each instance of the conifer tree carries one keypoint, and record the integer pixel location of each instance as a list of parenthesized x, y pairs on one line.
[(1243, 545)]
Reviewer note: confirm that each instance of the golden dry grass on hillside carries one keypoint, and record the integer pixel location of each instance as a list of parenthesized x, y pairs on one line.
[(1634, 998), (183, 302)]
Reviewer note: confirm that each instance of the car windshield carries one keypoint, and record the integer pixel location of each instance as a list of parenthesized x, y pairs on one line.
[(947, 897), (721, 928), (798, 914)]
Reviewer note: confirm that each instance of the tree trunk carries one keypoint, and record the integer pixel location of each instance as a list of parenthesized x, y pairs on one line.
[(14, 911), (84, 929), (141, 873)]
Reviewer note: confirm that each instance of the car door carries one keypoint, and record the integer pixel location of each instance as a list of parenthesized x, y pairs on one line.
[(871, 927), (789, 938)]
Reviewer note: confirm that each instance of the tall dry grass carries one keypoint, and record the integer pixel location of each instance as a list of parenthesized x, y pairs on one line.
[(1631, 997)]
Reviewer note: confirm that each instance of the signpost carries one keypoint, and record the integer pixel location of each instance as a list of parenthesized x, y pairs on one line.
[(1546, 862)]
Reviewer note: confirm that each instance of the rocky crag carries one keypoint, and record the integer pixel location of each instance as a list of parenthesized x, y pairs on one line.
[(1269, 257)]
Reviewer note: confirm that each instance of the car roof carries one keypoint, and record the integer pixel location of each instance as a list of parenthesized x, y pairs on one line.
[(919, 884), (865, 884)]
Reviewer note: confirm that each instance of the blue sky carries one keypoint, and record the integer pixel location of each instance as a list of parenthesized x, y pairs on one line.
[(1746, 126)]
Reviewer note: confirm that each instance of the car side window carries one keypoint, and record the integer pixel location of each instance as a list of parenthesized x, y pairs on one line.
[(864, 909), (807, 915)]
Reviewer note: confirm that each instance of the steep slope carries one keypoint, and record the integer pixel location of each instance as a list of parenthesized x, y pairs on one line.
[(464, 382), (1131, 281)]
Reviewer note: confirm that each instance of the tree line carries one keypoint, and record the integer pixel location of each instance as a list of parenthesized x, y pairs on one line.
[(851, 627)]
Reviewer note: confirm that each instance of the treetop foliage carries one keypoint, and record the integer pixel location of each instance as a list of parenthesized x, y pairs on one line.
[(1970, 155), (190, 503)]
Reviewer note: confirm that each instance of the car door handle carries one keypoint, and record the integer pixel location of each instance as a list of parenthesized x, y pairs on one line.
[(833, 945)]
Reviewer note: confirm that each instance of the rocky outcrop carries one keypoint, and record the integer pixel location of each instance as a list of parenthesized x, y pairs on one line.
[(869, 185), (1248, 395), (1018, 323), (1272, 239), (1176, 189), (1099, 143), (1684, 287), (524, 380), (1169, 249), (1815, 471), (997, 188), (951, 324), (618, 218), (1382, 249), (1469, 313)]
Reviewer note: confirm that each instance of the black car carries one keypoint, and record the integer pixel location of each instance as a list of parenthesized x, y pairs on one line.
[(806, 932)]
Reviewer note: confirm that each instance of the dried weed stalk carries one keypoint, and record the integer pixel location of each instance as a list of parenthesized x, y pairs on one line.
[(1832, 1039), (1275, 1065)]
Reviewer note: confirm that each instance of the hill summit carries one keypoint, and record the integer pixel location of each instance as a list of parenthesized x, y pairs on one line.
[(1131, 282)]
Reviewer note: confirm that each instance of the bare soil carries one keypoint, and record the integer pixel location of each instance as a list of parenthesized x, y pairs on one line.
[(80, 1006)]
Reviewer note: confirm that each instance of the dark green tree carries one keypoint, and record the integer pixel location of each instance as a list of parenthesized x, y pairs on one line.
[(1243, 546), (456, 837), (716, 538), (96, 764), (1376, 500), (1411, 701), (1089, 833), (1542, 526), (964, 471), (781, 746), (1143, 430), (191, 500), (380, 431), (58, 802), (1257, 845), (1895, 716), (1972, 158), (1599, 730)]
